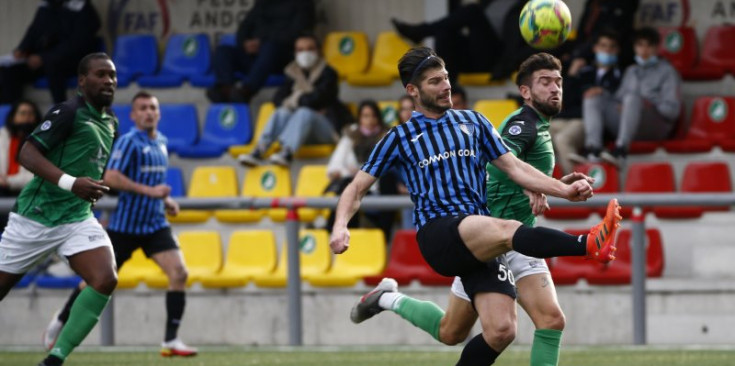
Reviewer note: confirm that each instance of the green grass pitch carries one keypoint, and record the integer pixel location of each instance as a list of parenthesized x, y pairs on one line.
[(372, 356)]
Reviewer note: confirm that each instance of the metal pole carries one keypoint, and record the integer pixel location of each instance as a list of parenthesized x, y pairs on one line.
[(107, 324), (639, 277), (294, 278)]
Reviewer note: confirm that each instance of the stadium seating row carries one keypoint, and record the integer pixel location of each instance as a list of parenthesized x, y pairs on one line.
[(698, 177), (252, 256), (681, 48)]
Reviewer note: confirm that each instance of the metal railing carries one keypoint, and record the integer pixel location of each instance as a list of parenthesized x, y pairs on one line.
[(400, 202)]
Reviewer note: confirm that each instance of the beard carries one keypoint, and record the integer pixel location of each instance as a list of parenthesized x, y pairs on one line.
[(102, 100), (432, 105), (546, 109)]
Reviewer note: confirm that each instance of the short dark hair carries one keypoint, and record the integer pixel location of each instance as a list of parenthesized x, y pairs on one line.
[(647, 34), (458, 90), (10, 117), (83, 67), (141, 95), (537, 61), (415, 61), (608, 33), (311, 36)]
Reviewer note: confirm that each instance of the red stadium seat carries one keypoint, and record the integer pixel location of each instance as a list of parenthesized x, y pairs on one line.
[(569, 270), (708, 177), (713, 123), (406, 263), (648, 178), (618, 272), (717, 56), (679, 46), (606, 181)]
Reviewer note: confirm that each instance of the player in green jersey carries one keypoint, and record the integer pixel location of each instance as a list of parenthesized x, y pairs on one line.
[(525, 132), (67, 153)]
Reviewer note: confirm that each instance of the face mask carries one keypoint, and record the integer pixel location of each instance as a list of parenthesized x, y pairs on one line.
[(606, 59), (651, 60), (306, 59), (367, 131)]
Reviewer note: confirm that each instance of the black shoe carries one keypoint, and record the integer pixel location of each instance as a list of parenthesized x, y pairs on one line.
[(414, 33), (51, 361), (241, 95), (616, 157), (218, 94), (253, 159)]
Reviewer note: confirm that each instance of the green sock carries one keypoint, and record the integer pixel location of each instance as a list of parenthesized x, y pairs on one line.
[(83, 316), (423, 314), (545, 348)]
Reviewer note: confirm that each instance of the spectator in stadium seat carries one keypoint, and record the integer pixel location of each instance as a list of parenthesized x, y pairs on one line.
[(598, 17), (405, 108), (22, 119), (263, 46), (459, 98), (601, 78), (62, 32), (352, 151), (308, 108), (645, 106), (476, 37)]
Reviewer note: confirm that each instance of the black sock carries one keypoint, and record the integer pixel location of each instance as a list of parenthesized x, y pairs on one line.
[(52, 361), (64, 314), (477, 352), (175, 302), (541, 242)]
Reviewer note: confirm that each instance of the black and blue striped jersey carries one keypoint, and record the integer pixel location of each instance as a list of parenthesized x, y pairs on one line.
[(442, 162), (145, 161)]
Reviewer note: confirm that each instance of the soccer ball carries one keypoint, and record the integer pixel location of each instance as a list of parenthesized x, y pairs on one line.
[(545, 24)]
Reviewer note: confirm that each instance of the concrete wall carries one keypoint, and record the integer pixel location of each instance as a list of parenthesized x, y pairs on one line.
[(679, 312)]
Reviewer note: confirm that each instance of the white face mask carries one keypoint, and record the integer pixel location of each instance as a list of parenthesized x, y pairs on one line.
[(306, 59)]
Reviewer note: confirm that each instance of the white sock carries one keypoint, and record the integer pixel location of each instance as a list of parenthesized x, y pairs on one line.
[(390, 300)]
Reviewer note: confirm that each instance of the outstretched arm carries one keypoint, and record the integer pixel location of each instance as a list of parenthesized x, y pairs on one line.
[(116, 179), (349, 203), (532, 179)]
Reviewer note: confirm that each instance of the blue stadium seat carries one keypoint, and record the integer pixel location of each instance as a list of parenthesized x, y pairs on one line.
[(42, 83), (25, 281), (179, 124), (4, 110), (135, 55), (228, 39), (175, 179), (226, 125), (186, 55), (122, 111), (48, 281)]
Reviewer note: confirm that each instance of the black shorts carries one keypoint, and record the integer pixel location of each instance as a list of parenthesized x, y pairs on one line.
[(125, 244), (444, 250)]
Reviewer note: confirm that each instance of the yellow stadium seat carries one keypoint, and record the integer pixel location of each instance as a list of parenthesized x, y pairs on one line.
[(208, 182), (202, 251), (264, 114), (269, 181), (347, 52), (478, 79), (249, 253), (366, 257), (314, 254), (311, 182), (389, 47), (135, 269), (389, 110), (496, 111)]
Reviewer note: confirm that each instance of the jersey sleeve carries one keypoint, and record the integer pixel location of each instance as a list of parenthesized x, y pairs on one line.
[(123, 152), (383, 155), (490, 140), (519, 135), (55, 128)]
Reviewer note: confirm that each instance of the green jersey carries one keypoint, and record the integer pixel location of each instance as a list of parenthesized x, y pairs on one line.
[(76, 138), (527, 135)]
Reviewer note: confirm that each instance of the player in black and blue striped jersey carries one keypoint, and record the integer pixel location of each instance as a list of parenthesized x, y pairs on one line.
[(441, 154)]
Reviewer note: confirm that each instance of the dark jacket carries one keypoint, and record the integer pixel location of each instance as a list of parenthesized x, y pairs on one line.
[(62, 31), (277, 20), (575, 87), (323, 97), (599, 15)]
